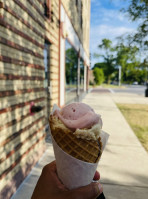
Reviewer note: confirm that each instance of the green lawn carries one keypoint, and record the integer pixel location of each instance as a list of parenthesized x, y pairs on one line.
[(107, 86), (137, 117)]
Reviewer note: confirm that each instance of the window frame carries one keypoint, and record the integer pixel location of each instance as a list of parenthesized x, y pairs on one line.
[(47, 9), (68, 45)]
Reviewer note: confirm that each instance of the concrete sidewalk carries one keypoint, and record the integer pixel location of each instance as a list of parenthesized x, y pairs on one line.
[(123, 167)]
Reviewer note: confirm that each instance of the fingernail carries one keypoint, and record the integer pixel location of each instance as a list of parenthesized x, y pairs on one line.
[(100, 188)]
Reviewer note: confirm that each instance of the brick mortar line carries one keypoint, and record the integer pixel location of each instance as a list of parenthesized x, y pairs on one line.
[(14, 121), (19, 47), (21, 5), (9, 93), (18, 146), (20, 158), (20, 77), (10, 60), (25, 36), (23, 21), (21, 131), (20, 105), (34, 18)]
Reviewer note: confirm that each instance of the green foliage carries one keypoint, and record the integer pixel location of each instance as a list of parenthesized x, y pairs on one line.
[(127, 59), (91, 83), (99, 76), (106, 44), (135, 75), (138, 10), (71, 66), (107, 73), (124, 56), (109, 59)]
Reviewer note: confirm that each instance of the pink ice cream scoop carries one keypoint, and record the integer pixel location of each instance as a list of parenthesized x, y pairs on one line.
[(78, 116)]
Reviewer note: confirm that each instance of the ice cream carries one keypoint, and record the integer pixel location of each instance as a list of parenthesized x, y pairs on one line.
[(76, 129)]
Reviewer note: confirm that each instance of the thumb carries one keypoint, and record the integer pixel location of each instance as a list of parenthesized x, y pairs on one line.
[(90, 191)]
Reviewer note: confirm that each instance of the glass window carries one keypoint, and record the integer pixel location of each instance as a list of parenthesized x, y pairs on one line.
[(81, 15), (47, 79), (71, 73), (47, 8), (76, 2), (81, 76), (46, 63)]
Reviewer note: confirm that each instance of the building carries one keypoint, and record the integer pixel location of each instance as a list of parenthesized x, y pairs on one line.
[(44, 60)]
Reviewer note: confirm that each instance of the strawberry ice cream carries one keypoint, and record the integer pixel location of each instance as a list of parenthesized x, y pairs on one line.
[(81, 119)]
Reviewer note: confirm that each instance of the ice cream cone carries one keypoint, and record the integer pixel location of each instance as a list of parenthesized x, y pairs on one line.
[(78, 143), (85, 150)]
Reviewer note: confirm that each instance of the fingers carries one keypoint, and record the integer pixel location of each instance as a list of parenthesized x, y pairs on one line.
[(50, 174), (96, 176), (90, 191), (50, 166)]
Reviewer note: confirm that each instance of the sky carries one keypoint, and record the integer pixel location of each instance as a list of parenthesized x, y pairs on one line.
[(107, 21)]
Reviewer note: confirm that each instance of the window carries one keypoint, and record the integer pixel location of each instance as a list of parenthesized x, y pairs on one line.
[(81, 76), (79, 6), (71, 73), (76, 3), (46, 85), (47, 8), (46, 63), (81, 15)]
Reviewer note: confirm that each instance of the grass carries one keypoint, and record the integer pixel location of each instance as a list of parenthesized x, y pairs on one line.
[(137, 117), (107, 86)]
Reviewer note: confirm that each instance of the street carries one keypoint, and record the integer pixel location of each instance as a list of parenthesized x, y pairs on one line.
[(134, 89)]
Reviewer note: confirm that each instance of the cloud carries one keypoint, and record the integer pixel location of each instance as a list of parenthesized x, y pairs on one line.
[(108, 22), (101, 16), (105, 31), (119, 3), (110, 31)]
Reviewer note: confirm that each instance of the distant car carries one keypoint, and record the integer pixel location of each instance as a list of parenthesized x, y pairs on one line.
[(135, 83), (114, 82)]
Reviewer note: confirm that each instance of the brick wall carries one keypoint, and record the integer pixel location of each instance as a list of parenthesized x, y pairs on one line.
[(23, 30)]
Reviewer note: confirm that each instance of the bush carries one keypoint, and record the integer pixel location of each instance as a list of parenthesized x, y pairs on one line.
[(91, 83), (99, 75)]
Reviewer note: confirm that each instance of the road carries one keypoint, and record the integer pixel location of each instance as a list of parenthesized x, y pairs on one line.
[(135, 89)]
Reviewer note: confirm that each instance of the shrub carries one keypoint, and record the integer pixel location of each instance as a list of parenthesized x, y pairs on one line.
[(99, 75)]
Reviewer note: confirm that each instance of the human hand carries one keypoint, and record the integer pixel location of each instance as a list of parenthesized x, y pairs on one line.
[(49, 186)]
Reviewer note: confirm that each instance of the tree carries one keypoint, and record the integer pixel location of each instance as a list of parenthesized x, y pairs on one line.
[(71, 66), (127, 59), (124, 55), (136, 75), (109, 58), (138, 10), (99, 76)]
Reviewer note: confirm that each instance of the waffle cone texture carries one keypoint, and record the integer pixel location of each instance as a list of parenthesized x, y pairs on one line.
[(85, 150)]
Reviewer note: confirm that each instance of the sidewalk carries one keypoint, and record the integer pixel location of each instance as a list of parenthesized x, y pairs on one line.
[(123, 167)]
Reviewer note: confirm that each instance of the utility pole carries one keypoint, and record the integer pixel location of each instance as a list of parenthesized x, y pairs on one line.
[(119, 83)]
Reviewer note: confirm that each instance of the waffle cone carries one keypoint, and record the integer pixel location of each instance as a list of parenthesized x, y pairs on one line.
[(85, 150)]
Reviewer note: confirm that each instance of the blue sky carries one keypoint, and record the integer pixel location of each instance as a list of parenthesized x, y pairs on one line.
[(108, 22)]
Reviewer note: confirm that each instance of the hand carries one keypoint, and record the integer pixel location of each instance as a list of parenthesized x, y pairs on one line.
[(50, 187)]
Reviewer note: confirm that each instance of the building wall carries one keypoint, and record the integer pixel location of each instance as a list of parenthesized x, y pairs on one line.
[(75, 9), (23, 30), (86, 25), (75, 25)]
